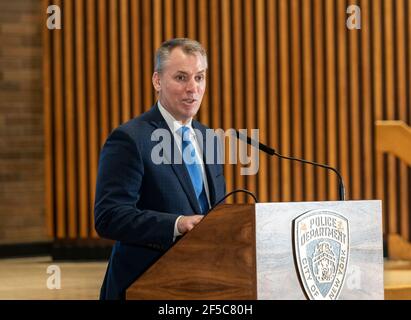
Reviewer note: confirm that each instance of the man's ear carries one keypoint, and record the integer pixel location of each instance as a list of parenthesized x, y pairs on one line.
[(156, 81)]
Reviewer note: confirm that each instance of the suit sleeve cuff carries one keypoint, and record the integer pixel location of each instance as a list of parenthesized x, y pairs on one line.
[(176, 232)]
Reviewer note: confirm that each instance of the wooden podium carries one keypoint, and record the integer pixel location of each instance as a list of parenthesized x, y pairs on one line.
[(252, 252)]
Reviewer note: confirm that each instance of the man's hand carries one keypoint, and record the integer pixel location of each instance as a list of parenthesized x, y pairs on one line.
[(186, 223)]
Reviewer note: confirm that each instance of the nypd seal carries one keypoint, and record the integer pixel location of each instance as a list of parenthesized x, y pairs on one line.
[(321, 245)]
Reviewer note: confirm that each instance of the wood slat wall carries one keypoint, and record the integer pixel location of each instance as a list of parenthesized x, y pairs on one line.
[(288, 67)]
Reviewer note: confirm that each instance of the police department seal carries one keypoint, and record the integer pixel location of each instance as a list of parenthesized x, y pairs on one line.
[(321, 246)]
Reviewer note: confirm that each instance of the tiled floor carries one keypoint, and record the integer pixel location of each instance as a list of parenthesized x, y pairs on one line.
[(397, 280), (27, 278)]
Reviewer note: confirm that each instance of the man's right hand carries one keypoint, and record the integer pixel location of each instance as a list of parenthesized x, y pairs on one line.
[(186, 223)]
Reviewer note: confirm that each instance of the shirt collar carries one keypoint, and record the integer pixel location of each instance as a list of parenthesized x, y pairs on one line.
[(172, 123)]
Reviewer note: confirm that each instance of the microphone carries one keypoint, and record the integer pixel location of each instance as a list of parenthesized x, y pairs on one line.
[(272, 152)]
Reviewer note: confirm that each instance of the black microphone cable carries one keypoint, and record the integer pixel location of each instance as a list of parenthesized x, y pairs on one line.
[(230, 194), (341, 189), (272, 152)]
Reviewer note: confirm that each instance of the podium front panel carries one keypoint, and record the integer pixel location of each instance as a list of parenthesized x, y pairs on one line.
[(319, 250)]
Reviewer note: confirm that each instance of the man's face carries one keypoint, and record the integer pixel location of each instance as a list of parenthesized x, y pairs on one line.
[(181, 84)]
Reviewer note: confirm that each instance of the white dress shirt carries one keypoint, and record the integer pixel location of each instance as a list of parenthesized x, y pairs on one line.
[(174, 126)]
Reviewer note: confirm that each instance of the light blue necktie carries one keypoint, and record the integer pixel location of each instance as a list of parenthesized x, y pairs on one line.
[(194, 168)]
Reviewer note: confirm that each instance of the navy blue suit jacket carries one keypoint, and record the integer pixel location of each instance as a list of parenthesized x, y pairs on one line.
[(137, 201)]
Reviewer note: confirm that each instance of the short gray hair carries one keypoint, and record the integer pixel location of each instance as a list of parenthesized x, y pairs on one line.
[(188, 46)]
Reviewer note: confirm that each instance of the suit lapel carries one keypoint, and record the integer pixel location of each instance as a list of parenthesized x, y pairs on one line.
[(180, 170), (183, 176), (211, 182), (209, 168)]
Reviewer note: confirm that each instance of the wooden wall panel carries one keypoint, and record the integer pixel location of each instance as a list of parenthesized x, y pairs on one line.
[(389, 100), (125, 60), (237, 86), (136, 90), (82, 92), (354, 109), (103, 66), (87, 220), (296, 106), (48, 131), (377, 75), (284, 101), (215, 59), (331, 95), (272, 98), (292, 69), (308, 101), (59, 178), (319, 97), (157, 22), (114, 65), (367, 149), (261, 93), (226, 83), (69, 114), (248, 72), (203, 36), (408, 118), (401, 102), (343, 97)]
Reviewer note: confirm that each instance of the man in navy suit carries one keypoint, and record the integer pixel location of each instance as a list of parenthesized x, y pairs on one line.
[(143, 203)]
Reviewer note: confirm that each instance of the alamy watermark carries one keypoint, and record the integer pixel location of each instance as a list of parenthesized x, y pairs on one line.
[(54, 280), (353, 20), (353, 277), (218, 147), (54, 20)]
